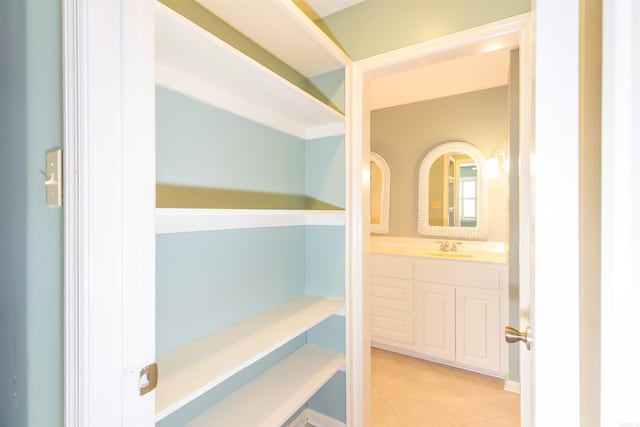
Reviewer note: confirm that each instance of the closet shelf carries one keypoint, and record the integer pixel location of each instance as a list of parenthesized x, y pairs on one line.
[(195, 368), (187, 220), (280, 27), (272, 398), (192, 61)]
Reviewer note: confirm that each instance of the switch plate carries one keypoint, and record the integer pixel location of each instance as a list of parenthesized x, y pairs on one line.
[(53, 178)]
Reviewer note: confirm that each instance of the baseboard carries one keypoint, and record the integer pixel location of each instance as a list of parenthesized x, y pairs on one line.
[(316, 419), (438, 360), (512, 386)]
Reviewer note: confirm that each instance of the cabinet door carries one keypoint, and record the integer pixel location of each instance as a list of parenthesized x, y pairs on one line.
[(435, 320), (392, 311), (477, 335)]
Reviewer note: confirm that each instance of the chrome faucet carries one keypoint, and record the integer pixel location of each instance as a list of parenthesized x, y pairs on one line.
[(447, 246)]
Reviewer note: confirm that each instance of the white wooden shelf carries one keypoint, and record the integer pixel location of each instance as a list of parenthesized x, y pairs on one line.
[(194, 62), (195, 368), (272, 398), (280, 27), (169, 220)]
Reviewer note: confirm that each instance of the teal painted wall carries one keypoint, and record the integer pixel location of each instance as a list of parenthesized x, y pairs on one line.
[(324, 260), (332, 397), (377, 26), (31, 311), (324, 169), (209, 280), (204, 146)]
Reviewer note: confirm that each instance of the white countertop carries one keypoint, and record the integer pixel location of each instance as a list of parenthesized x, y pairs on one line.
[(430, 248)]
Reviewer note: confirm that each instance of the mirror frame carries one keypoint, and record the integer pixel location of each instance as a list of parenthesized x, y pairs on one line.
[(479, 232), (383, 227)]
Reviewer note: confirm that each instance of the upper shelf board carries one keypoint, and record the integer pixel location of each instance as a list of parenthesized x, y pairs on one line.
[(281, 28), (192, 61)]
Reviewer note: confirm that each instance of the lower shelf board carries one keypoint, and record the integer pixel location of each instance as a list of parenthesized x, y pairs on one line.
[(191, 370), (273, 397)]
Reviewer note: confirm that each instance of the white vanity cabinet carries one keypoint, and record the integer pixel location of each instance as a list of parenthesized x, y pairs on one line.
[(392, 301), (459, 308), (435, 318)]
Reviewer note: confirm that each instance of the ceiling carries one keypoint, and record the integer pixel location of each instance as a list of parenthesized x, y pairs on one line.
[(427, 81), (324, 8), (461, 75)]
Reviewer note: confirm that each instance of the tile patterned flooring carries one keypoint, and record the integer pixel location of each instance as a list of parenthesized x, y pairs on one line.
[(410, 392)]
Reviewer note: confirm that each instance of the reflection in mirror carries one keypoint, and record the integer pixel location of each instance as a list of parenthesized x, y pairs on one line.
[(453, 188), (380, 179), (453, 194)]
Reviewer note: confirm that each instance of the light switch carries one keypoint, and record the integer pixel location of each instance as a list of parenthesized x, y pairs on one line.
[(53, 179)]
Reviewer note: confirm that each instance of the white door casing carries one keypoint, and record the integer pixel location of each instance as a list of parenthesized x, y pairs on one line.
[(109, 206)]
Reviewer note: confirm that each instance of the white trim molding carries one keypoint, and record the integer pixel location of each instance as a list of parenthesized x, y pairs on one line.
[(309, 416), (512, 386), (385, 190), (109, 205), (75, 404)]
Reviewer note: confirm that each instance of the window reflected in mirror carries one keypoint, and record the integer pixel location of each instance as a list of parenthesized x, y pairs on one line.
[(453, 190), (380, 184)]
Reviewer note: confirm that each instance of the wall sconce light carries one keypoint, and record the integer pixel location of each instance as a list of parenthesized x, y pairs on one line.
[(495, 165)]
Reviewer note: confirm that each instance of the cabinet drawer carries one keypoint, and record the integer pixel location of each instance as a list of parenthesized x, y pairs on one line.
[(391, 266), (465, 274), (391, 326), (392, 293)]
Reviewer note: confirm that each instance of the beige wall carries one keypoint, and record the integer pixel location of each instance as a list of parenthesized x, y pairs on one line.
[(404, 134)]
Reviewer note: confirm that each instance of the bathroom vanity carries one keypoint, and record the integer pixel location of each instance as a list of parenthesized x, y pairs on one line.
[(448, 307)]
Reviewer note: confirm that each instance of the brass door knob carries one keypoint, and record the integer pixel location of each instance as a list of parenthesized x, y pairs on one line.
[(512, 335)]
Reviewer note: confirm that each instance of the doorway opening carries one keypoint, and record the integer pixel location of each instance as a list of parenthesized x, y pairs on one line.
[(368, 76)]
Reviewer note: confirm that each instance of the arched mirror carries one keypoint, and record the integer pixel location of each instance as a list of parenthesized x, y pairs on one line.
[(380, 187), (453, 193)]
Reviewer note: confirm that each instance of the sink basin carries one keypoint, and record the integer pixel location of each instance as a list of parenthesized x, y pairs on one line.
[(449, 254)]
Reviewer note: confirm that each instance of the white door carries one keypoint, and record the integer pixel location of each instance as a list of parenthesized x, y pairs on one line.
[(549, 247)]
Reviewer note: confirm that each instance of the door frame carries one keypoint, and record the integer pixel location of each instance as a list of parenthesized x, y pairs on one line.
[(109, 210), (517, 30)]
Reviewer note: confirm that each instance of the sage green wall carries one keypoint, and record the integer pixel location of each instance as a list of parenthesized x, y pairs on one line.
[(376, 26), (404, 134), (31, 311)]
